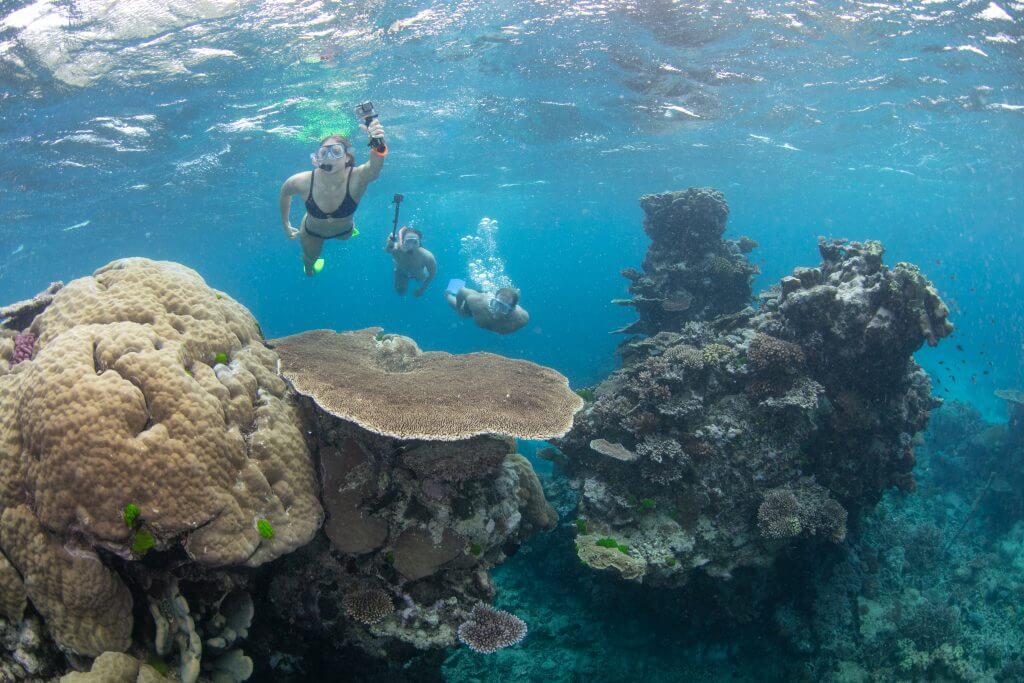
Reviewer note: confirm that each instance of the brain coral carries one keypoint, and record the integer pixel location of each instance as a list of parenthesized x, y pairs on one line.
[(125, 403), (388, 386)]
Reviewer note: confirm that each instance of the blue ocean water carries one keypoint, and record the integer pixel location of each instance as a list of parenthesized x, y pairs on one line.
[(165, 129)]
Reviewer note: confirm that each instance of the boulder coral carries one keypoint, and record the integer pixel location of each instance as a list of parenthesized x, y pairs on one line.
[(749, 429), (150, 418)]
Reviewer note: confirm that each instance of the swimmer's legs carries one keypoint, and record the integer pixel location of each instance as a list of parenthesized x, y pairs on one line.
[(311, 248), (401, 282)]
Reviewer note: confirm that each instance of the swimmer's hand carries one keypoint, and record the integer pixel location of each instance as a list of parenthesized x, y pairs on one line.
[(291, 232), (374, 130)]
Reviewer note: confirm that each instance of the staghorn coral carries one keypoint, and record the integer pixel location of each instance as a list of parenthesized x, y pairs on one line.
[(389, 387), (368, 605), (488, 630)]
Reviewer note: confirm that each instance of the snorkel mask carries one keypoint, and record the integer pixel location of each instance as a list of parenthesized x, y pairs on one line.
[(408, 240), (325, 157), (499, 307)]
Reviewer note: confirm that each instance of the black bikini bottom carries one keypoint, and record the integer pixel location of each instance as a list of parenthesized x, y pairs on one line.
[(322, 237)]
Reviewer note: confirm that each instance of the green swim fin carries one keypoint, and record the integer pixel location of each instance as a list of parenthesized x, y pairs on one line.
[(355, 231), (318, 265)]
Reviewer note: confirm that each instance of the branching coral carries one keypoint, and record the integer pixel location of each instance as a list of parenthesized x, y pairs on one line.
[(368, 605), (488, 630), (769, 354), (802, 509)]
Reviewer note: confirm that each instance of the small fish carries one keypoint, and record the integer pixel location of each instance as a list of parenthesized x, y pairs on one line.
[(984, 372), (942, 362), (952, 277), (959, 348)]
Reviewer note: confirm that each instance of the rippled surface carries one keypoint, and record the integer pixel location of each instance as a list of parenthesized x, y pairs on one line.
[(165, 129)]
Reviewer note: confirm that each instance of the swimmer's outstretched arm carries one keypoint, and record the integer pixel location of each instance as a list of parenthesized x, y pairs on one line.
[(289, 189), (370, 171)]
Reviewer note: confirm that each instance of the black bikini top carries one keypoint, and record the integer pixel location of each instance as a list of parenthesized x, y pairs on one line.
[(344, 210)]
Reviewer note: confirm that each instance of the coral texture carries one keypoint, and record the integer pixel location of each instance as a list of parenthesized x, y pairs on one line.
[(421, 521), (689, 272), (488, 630), (753, 427), (126, 362), (386, 385), (116, 667), (149, 418), (368, 605)]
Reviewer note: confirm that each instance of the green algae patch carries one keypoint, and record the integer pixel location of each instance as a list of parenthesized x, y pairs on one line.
[(608, 554), (130, 514), (143, 542), (265, 528)]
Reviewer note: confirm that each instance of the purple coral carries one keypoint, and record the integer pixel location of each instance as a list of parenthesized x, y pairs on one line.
[(24, 344), (488, 630)]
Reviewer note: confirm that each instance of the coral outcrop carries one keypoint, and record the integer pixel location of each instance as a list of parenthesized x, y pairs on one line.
[(154, 460), (145, 439), (420, 504), (690, 272), (731, 432)]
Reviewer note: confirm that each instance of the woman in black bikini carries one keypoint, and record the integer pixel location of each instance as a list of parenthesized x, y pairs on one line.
[(335, 182)]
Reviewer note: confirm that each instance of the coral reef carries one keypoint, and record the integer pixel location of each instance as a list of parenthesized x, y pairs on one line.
[(155, 460), (419, 507), (931, 586), (733, 432), (690, 272)]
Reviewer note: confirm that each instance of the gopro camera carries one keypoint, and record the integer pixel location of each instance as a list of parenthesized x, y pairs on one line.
[(366, 112)]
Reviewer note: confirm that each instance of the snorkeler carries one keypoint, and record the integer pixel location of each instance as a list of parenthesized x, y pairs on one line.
[(499, 312), (412, 261), (341, 184)]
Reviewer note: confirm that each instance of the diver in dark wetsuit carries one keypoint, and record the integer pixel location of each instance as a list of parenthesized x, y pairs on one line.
[(335, 182)]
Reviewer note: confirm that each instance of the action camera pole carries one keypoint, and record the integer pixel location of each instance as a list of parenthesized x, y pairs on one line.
[(394, 226)]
